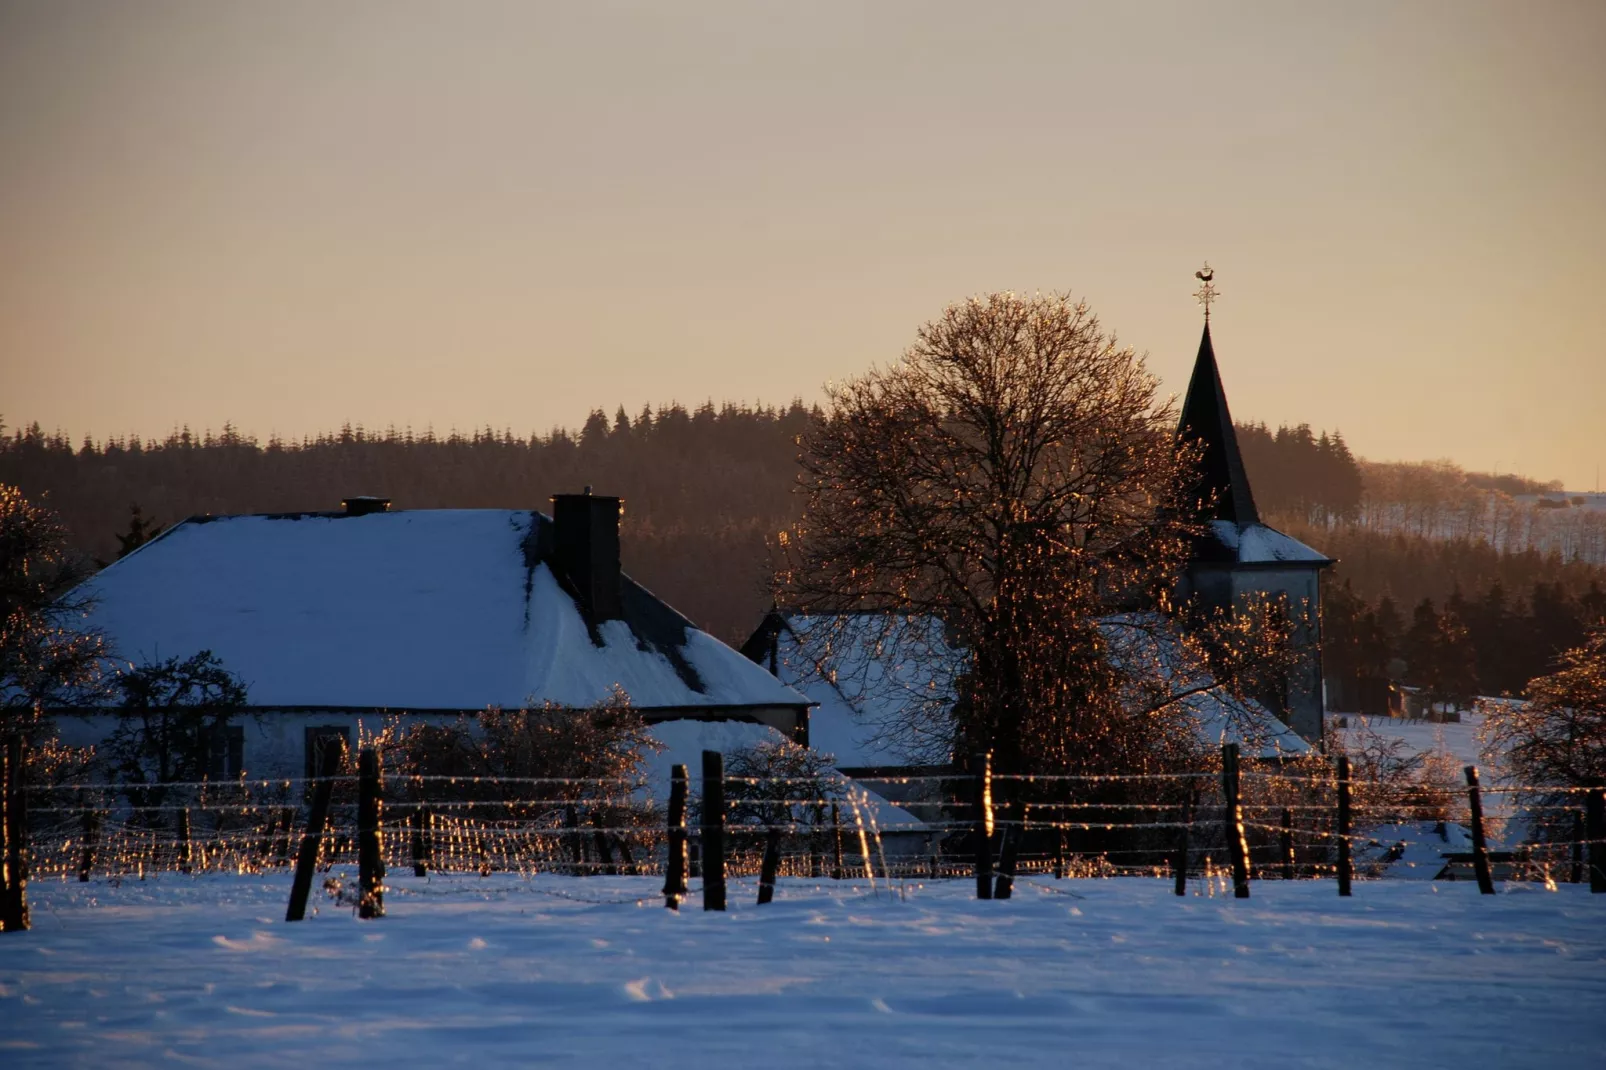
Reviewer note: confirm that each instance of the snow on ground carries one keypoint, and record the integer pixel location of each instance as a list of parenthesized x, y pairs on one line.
[(506, 971), (1424, 845), (1458, 739)]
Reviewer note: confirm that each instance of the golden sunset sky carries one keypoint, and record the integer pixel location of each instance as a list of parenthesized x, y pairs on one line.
[(291, 215)]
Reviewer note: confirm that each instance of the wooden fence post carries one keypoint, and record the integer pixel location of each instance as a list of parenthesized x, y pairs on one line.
[(307, 860), (265, 848), (629, 863), (1288, 844), (675, 887), (1059, 852), (571, 821), (599, 821), (713, 830), (1233, 821), (836, 844), (281, 847), (1577, 874), (1480, 848), (771, 863), (370, 851), (1595, 832), (1009, 849), (1179, 861), (577, 842), (420, 822), (982, 768), (5, 836), (1346, 866), (14, 825), (184, 865), (91, 837)]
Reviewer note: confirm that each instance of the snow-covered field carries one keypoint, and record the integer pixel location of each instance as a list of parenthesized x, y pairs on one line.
[(505, 971)]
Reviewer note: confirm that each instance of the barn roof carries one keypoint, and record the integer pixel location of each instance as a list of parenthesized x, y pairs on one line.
[(415, 609)]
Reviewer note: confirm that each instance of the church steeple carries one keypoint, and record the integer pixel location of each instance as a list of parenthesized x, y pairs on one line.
[(1207, 422), (1235, 555)]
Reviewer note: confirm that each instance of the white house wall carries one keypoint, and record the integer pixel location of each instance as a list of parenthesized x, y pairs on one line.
[(1300, 585), (275, 740)]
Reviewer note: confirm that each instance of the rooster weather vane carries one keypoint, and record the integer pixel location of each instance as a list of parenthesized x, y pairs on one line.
[(1206, 292)]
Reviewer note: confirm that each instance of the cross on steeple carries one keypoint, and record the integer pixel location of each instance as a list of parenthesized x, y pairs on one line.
[(1206, 292)]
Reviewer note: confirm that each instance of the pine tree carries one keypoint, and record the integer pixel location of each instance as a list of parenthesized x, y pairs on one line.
[(140, 532), (1457, 682)]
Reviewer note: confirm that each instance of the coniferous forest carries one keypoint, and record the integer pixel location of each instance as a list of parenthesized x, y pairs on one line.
[(1420, 593)]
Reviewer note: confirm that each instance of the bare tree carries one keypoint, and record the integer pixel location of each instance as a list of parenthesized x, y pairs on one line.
[(174, 725), (533, 762), (1557, 738), (47, 657), (781, 783), (1015, 476)]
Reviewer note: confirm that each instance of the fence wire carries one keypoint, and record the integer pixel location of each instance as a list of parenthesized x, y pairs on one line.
[(923, 827)]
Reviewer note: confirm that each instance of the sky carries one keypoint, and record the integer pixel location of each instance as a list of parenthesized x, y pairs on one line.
[(294, 215)]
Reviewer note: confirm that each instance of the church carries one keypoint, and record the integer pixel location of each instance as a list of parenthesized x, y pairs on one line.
[(1239, 556)]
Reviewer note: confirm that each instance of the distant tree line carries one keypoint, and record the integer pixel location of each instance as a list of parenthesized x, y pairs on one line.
[(707, 488), (1487, 642), (1295, 472)]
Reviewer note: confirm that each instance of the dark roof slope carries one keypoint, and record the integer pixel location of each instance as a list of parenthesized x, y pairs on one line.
[(1207, 422)]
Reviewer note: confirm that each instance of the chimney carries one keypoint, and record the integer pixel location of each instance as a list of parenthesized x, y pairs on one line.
[(586, 550), (363, 504)]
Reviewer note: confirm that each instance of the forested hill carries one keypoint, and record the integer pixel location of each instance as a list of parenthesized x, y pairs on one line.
[(703, 489), (706, 489)]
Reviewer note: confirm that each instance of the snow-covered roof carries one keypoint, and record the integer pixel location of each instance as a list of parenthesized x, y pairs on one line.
[(1257, 544), (684, 742), (871, 674), (1220, 717), (419, 609), (880, 679)]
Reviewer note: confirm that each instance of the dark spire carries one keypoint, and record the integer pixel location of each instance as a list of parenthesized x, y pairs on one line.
[(1205, 420)]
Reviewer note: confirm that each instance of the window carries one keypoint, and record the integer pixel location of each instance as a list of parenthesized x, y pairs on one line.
[(320, 736), (225, 752)]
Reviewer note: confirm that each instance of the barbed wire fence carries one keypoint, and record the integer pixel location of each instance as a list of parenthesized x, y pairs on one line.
[(1203, 829)]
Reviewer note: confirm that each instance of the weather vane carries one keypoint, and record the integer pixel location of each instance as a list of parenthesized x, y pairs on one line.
[(1206, 292)]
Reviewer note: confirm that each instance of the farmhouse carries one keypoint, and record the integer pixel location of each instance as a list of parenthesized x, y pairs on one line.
[(337, 619)]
